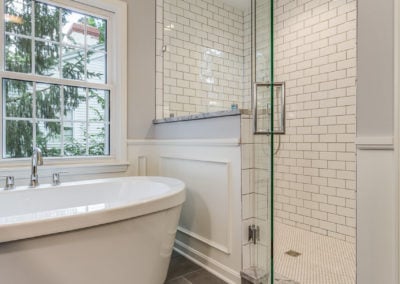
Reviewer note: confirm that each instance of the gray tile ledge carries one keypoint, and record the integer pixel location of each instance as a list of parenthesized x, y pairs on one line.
[(200, 116)]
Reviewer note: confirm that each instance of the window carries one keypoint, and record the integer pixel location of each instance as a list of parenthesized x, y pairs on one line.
[(58, 78)]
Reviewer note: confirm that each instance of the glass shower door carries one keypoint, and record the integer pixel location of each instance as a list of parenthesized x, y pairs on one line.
[(263, 112)]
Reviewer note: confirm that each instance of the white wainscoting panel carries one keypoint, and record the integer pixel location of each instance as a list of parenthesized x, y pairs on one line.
[(142, 166), (206, 213), (210, 225), (377, 221)]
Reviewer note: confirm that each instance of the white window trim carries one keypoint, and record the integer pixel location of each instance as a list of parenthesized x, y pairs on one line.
[(116, 10)]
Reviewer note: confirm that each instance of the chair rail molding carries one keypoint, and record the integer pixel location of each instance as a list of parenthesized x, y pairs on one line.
[(375, 143), (229, 142)]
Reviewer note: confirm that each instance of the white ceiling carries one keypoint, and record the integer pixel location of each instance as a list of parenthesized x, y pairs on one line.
[(240, 4)]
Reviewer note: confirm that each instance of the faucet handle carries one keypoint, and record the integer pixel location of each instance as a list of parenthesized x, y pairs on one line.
[(56, 178), (10, 183)]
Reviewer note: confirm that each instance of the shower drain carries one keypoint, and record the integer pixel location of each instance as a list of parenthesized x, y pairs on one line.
[(293, 253)]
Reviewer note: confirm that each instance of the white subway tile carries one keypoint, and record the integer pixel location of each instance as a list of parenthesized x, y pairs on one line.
[(333, 217)]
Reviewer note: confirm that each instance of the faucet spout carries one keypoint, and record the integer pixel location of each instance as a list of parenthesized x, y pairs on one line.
[(37, 160)]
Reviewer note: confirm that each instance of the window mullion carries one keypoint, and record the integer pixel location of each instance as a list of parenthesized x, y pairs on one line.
[(60, 51), (29, 119), (62, 146), (62, 119), (87, 121), (33, 58), (2, 126), (52, 80), (34, 119), (31, 37), (87, 90), (2, 35), (107, 123), (85, 49)]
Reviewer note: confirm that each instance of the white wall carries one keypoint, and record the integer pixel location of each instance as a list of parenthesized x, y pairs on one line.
[(141, 67), (375, 104)]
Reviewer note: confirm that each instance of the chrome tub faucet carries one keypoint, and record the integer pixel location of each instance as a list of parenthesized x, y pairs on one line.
[(37, 160)]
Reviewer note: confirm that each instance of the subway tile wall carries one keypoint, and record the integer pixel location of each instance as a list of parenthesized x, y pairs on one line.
[(200, 57), (315, 55)]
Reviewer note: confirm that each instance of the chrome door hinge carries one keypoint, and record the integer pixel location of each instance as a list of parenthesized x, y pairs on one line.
[(254, 234)]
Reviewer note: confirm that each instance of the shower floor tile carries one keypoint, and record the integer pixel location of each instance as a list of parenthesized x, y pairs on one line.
[(323, 260)]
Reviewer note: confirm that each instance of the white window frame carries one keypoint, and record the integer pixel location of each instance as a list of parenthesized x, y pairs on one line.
[(115, 11), (396, 96)]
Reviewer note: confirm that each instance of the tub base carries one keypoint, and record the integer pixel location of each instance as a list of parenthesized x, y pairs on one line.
[(131, 251)]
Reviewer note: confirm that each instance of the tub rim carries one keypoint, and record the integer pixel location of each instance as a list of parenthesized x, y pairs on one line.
[(40, 227)]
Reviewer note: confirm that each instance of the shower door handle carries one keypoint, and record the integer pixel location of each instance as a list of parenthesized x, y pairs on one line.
[(280, 104)]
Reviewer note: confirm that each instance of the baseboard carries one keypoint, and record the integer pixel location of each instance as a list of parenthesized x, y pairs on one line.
[(223, 272)]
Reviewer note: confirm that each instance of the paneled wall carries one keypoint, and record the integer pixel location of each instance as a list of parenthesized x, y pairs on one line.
[(315, 50), (209, 231)]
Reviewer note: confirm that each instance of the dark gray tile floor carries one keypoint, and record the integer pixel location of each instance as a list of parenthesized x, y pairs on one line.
[(183, 271)]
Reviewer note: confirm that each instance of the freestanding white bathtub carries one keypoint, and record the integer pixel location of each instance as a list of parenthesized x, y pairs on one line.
[(110, 231)]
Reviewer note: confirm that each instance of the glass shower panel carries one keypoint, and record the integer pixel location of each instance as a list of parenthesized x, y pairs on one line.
[(262, 112), (201, 58), (262, 108), (262, 40)]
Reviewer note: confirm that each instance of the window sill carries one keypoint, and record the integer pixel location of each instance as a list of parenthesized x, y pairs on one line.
[(71, 169)]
